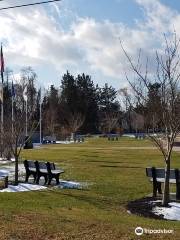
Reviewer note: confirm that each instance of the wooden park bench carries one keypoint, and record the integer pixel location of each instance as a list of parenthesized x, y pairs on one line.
[(157, 177), (41, 169)]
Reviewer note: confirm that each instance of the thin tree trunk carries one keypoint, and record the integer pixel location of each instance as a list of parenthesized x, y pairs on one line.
[(166, 196), (16, 170)]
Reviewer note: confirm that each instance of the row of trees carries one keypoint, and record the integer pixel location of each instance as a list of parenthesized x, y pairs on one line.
[(80, 105)]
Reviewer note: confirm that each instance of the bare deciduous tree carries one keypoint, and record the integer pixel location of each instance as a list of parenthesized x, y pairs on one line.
[(50, 119), (14, 138), (137, 121), (14, 127), (167, 76), (127, 99), (110, 120), (74, 121)]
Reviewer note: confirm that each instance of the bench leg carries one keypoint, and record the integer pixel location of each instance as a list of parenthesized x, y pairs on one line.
[(57, 179), (27, 176), (156, 188), (45, 177), (34, 178), (37, 179), (49, 181), (178, 191), (159, 188), (6, 182)]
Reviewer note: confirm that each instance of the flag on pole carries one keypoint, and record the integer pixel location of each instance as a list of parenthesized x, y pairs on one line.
[(2, 64), (25, 94), (1, 92)]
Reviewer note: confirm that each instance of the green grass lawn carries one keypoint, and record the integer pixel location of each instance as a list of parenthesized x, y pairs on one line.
[(116, 175)]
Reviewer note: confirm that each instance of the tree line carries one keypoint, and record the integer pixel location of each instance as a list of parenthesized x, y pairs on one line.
[(80, 106)]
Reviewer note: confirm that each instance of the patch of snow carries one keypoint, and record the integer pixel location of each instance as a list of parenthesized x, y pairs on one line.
[(64, 142), (4, 173), (170, 213), (9, 170), (155, 201), (23, 187), (5, 161), (129, 135)]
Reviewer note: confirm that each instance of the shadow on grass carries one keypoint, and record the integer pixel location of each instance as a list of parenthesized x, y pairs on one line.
[(96, 161), (143, 207), (113, 166), (104, 204), (111, 162)]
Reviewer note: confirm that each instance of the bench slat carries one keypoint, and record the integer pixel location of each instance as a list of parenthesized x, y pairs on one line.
[(32, 169), (57, 171), (161, 180), (160, 173), (31, 164), (42, 165)]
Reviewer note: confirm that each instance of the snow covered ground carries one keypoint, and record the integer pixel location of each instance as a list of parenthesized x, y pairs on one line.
[(5, 161), (64, 142), (129, 135), (170, 213), (8, 170), (23, 187)]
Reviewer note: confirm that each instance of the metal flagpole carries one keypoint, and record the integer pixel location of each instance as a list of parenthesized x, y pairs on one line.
[(25, 99), (26, 120), (12, 99), (2, 95), (2, 113), (2, 108), (40, 121), (12, 115)]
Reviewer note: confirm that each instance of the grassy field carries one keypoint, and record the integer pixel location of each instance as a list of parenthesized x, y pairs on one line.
[(116, 173)]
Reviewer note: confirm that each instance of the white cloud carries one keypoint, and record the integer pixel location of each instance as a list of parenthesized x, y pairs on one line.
[(158, 16), (34, 37)]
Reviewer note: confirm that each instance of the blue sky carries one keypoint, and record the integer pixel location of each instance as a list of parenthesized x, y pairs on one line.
[(114, 10), (83, 36)]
